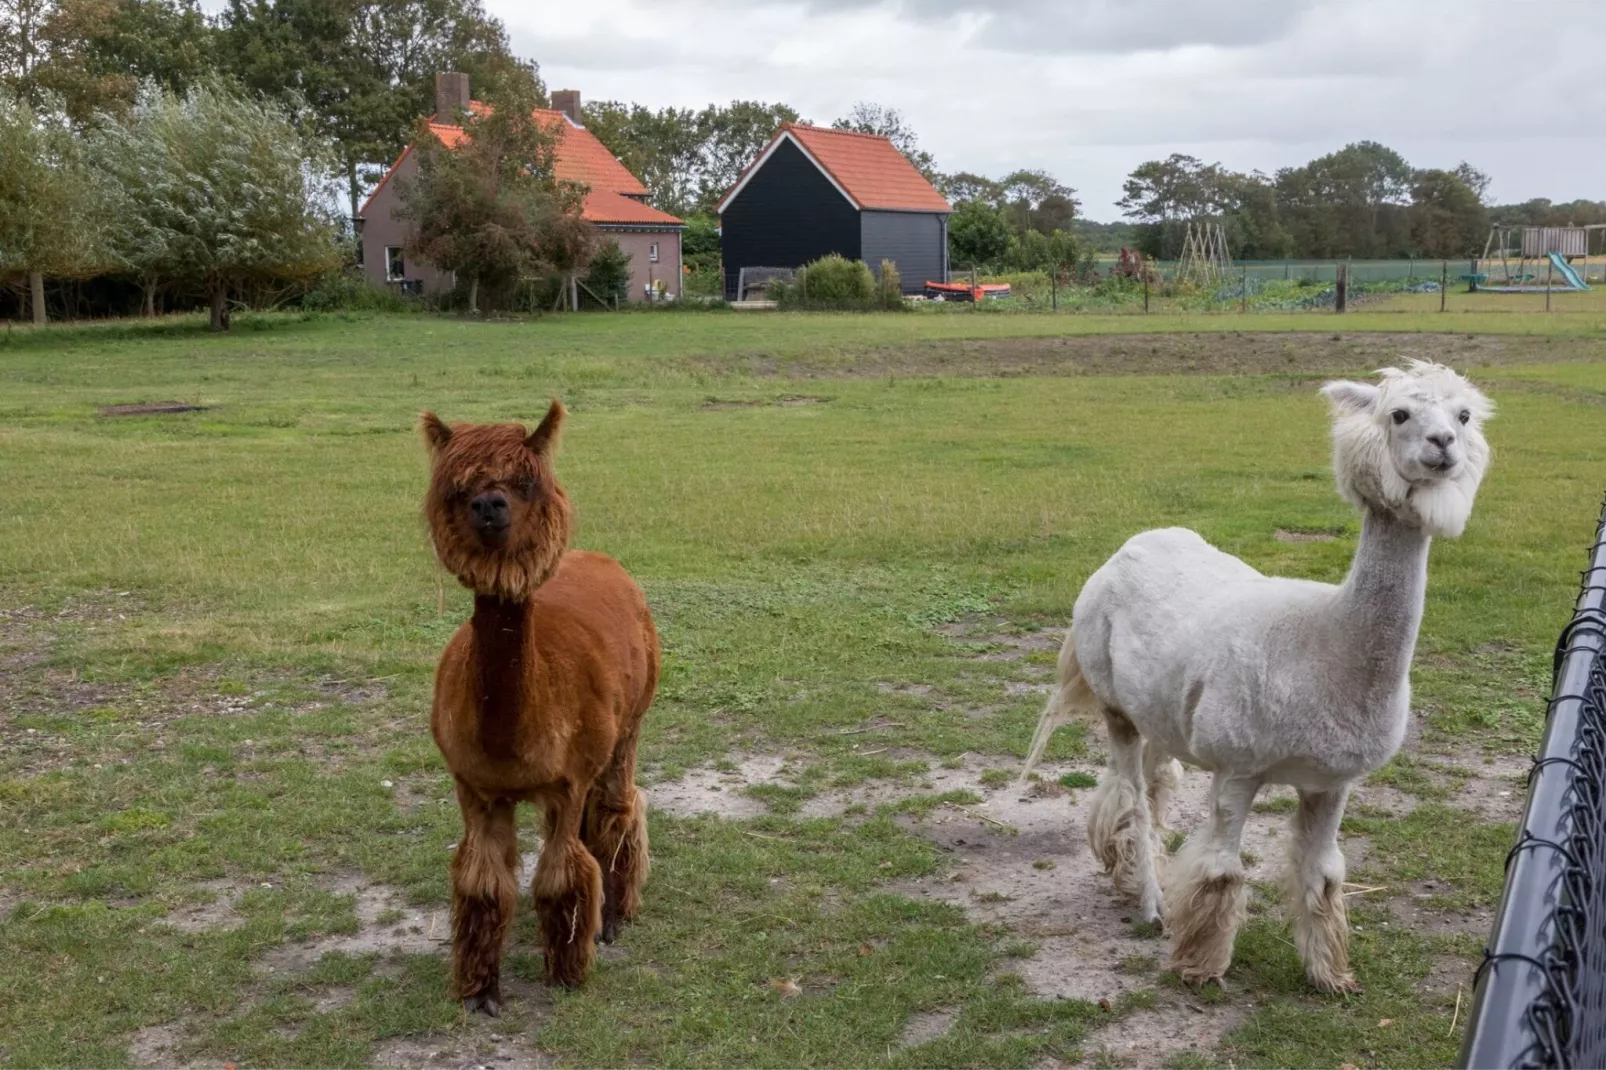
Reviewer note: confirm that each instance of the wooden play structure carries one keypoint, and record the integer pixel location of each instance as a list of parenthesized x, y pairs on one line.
[(1525, 259), (1204, 254)]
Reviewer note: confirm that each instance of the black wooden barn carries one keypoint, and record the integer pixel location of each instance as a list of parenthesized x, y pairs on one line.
[(814, 191)]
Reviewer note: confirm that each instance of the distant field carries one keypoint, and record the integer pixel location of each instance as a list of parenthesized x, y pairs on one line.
[(224, 831)]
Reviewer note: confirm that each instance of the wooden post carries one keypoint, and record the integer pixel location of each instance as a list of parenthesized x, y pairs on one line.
[(574, 293), (1054, 287), (1243, 290), (1444, 284), (1145, 270), (975, 298), (1550, 272), (1341, 292)]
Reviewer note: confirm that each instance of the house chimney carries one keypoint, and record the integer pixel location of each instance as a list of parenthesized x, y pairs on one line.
[(451, 96), (568, 102)]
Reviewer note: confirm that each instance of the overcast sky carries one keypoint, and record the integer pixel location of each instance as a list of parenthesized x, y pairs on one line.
[(1088, 89)]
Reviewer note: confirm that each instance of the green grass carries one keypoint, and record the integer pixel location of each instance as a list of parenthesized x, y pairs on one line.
[(218, 630)]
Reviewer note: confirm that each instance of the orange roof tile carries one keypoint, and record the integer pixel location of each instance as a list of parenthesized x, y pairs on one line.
[(867, 167), (580, 158), (606, 206)]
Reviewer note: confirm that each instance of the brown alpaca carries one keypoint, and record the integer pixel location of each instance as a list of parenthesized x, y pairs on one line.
[(538, 698)]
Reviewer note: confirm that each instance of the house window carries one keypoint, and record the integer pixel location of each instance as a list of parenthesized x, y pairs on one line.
[(652, 253), (395, 268)]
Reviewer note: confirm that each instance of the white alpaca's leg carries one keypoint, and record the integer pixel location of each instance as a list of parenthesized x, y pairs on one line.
[(1119, 827), (1321, 922), (1205, 897), (1163, 774)]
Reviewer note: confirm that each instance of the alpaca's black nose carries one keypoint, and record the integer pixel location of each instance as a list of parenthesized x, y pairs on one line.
[(489, 511), (1442, 439)]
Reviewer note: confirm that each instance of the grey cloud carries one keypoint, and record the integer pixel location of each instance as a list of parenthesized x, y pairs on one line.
[(1104, 26)]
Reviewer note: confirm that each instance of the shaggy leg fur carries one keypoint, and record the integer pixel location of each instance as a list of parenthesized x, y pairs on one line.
[(568, 897), (484, 897), (1206, 900), (615, 832), (1163, 774), (1321, 923), (1119, 828)]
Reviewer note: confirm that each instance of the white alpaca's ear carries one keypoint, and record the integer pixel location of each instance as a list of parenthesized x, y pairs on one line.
[(1351, 398)]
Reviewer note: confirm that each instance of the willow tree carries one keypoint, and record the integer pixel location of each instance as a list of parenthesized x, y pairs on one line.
[(49, 222), (218, 189)]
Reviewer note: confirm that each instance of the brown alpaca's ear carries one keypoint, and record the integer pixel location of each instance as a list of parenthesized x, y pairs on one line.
[(436, 433), (543, 441)]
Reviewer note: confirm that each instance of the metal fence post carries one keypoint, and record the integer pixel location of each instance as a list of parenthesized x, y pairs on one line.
[(1243, 291), (1444, 284), (1341, 288), (1550, 272), (1145, 288)]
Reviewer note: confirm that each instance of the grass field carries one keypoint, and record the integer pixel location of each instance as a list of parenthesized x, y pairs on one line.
[(224, 830)]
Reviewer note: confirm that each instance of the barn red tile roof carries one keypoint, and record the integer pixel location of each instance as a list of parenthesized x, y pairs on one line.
[(867, 167), (580, 158)]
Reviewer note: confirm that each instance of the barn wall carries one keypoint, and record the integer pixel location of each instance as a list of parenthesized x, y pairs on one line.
[(912, 240), (788, 214)]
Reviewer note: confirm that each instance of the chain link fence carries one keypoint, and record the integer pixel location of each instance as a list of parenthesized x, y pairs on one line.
[(1540, 995), (1246, 287)]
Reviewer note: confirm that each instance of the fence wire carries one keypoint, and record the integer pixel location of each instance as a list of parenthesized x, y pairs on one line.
[(1540, 995)]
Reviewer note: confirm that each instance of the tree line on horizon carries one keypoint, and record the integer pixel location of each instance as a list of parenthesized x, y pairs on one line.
[(337, 88)]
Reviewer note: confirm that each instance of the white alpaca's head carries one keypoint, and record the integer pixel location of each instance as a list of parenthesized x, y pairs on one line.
[(1412, 445)]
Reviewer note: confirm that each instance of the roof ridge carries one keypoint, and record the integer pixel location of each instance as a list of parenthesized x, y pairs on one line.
[(835, 130)]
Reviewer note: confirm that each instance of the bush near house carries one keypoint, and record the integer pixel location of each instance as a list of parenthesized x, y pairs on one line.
[(838, 284)]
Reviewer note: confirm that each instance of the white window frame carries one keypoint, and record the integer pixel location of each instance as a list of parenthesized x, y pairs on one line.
[(391, 274), (652, 252)]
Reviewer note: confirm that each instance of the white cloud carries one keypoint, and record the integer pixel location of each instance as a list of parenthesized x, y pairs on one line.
[(1090, 89)]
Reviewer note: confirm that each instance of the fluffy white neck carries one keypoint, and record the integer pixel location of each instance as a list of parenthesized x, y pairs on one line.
[(1379, 605)]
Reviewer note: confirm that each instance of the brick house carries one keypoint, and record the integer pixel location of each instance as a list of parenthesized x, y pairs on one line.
[(615, 202)]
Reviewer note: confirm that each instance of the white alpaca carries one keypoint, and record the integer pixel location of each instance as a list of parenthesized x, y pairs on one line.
[(1192, 654)]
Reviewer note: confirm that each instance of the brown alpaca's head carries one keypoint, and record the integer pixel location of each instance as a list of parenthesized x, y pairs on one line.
[(499, 519)]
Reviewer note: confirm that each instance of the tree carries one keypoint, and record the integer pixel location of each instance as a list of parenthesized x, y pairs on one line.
[(49, 218), (24, 44), (868, 118), (234, 193), (1447, 218), (490, 210), (663, 148), (978, 234), (1163, 195), (1035, 200), (361, 72), (732, 138)]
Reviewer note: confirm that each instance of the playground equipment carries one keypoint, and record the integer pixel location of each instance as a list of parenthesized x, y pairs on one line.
[(1204, 254), (1523, 259)]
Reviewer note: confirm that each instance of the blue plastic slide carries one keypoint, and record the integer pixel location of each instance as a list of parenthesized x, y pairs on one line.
[(1566, 271)]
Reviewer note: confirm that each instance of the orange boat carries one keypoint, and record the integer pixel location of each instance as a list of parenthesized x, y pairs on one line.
[(963, 291)]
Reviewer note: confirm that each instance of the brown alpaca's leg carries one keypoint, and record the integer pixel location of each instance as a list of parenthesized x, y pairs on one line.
[(615, 832), (568, 895), (484, 896)]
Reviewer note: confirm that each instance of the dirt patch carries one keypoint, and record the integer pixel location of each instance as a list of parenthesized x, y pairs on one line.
[(1285, 535), (459, 1054), (151, 408), (924, 1028), (1416, 909), (1204, 353), (155, 1046), (1150, 1037), (408, 930), (217, 915), (783, 401)]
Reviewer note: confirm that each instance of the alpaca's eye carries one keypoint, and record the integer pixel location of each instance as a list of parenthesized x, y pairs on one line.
[(1465, 416), (1400, 416), (526, 487)]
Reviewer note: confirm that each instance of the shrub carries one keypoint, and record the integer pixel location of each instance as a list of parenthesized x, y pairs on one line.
[(609, 277), (348, 290), (830, 282), (889, 288)]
